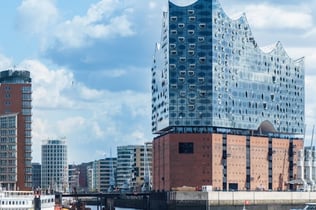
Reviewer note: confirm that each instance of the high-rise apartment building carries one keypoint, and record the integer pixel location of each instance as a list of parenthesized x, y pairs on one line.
[(224, 109), (55, 165), (16, 121), (104, 171), (134, 166)]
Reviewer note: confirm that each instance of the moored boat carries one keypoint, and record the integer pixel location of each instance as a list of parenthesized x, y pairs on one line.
[(26, 200)]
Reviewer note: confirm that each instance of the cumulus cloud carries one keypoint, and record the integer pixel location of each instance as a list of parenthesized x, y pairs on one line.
[(64, 107), (49, 85), (37, 17), (310, 57), (5, 62), (269, 16)]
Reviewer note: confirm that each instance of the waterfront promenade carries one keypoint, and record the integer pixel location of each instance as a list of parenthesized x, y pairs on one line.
[(250, 197), (197, 200)]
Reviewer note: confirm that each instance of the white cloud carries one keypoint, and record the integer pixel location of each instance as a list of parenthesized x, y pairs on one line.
[(69, 124), (5, 62), (311, 33), (310, 57), (152, 5), (37, 17), (268, 16), (106, 19), (48, 85), (64, 107)]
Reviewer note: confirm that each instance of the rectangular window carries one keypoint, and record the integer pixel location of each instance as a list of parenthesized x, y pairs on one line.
[(186, 148)]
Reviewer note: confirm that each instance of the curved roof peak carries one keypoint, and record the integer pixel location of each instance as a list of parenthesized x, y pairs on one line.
[(183, 3), (269, 48)]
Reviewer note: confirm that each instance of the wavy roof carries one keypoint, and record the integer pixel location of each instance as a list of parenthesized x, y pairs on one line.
[(277, 47)]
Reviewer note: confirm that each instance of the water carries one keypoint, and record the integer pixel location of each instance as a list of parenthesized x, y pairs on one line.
[(95, 208)]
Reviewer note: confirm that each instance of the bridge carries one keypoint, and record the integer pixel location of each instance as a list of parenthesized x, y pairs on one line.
[(106, 200)]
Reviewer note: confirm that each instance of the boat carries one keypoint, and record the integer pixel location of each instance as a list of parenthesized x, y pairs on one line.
[(25, 200)]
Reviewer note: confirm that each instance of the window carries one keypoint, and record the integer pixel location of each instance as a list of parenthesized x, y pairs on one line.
[(201, 79), (181, 25), (172, 46), (174, 18), (202, 25), (191, 32), (202, 59), (191, 11), (191, 52), (181, 38), (186, 148), (200, 39), (192, 66)]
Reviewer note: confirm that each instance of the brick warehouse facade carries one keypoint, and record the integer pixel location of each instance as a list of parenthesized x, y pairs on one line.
[(227, 162)]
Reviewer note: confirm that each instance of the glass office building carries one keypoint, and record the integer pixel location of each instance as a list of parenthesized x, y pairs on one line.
[(209, 73)]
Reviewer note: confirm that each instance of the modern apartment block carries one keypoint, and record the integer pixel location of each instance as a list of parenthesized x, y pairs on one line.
[(134, 166), (73, 177), (16, 121), (225, 110), (55, 165), (104, 171)]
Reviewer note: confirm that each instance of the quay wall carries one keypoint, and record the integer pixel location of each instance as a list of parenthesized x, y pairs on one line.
[(239, 198), (218, 200)]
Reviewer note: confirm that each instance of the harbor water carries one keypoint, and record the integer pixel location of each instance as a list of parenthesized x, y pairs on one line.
[(96, 208)]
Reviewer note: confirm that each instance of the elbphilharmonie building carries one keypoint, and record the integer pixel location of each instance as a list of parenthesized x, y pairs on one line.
[(214, 87)]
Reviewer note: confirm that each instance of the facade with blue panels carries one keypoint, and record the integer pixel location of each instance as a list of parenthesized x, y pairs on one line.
[(209, 73)]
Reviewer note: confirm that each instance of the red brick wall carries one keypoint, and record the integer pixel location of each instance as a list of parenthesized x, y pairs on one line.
[(15, 106), (259, 165), (204, 166)]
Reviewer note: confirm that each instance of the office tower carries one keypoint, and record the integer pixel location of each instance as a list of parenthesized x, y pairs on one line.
[(133, 166), (55, 165), (36, 175), (16, 138), (103, 171), (218, 98)]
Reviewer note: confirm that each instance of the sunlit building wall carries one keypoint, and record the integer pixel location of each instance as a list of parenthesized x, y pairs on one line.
[(55, 165), (16, 99)]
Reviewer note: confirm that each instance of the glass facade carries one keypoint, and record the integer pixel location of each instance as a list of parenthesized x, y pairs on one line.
[(209, 72)]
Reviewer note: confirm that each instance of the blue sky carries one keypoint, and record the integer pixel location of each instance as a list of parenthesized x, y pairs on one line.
[(90, 62)]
